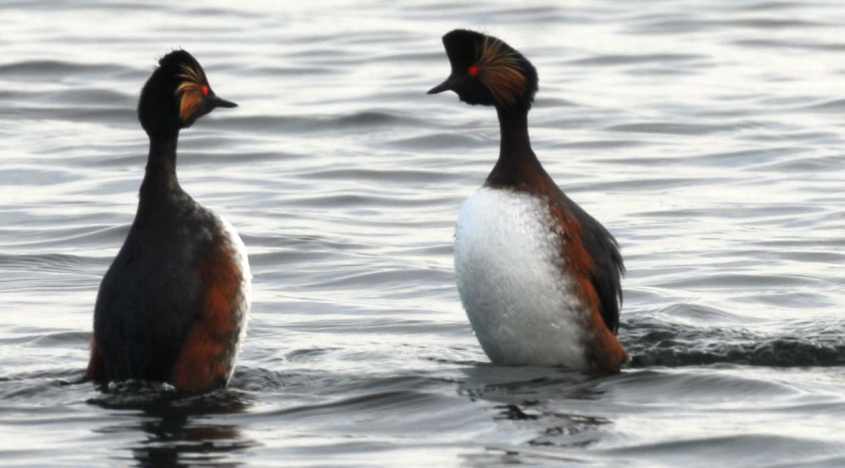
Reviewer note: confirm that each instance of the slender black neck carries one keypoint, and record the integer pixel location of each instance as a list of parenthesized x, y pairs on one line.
[(513, 128), (515, 153), (160, 178)]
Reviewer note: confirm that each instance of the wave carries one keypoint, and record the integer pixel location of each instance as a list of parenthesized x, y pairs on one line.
[(656, 342), (311, 123), (48, 70)]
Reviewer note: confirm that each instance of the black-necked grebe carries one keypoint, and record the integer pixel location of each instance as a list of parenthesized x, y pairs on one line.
[(539, 278), (173, 305)]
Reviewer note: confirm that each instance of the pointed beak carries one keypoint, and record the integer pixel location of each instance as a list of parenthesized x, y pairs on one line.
[(444, 86), (217, 101)]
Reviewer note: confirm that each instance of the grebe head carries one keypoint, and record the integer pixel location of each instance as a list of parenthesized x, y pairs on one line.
[(485, 70), (176, 95)]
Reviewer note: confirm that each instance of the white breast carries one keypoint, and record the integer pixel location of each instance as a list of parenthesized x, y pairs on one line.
[(239, 251), (512, 282)]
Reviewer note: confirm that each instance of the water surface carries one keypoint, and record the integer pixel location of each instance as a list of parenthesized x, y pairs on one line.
[(706, 135)]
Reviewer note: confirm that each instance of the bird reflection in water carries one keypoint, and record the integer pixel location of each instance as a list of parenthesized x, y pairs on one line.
[(538, 400), (183, 431), (177, 440)]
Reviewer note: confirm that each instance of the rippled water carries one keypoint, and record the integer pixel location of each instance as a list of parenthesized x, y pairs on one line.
[(706, 135)]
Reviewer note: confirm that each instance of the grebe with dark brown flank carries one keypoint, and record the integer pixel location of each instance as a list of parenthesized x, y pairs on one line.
[(539, 278), (173, 305)]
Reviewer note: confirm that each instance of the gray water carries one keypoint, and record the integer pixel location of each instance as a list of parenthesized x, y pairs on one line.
[(706, 135)]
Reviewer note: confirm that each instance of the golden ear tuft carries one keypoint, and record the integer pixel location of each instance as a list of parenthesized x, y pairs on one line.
[(192, 74), (190, 101), (500, 71), (190, 92)]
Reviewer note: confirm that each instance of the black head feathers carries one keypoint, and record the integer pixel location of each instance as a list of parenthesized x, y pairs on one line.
[(486, 70), (176, 95)]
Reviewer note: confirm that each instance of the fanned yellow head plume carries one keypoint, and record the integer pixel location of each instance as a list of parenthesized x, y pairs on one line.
[(500, 71), (191, 91)]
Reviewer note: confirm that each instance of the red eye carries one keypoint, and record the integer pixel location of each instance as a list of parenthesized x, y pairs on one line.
[(205, 90), (473, 70)]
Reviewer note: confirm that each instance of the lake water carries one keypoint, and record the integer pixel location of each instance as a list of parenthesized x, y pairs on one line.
[(706, 135)]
